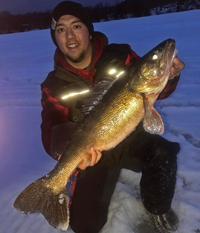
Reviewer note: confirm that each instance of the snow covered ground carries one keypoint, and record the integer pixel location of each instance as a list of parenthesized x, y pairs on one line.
[(25, 60)]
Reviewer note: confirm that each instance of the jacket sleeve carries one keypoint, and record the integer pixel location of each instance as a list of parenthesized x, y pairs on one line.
[(171, 84), (169, 89), (53, 113), (131, 58)]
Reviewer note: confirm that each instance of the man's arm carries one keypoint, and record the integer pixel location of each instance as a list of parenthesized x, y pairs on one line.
[(53, 113)]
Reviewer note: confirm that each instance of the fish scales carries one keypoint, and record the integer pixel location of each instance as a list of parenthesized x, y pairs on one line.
[(124, 112), (129, 100)]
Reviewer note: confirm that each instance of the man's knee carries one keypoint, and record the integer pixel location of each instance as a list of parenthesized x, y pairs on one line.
[(161, 148), (89, 223)]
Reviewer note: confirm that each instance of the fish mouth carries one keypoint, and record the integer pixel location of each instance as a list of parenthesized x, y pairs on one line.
[(170, 51), (170, 43)]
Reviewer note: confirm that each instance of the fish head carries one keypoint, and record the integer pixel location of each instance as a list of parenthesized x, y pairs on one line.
[(150, 73)]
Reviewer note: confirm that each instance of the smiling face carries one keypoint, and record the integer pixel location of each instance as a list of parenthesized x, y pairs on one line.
[(74, 40)]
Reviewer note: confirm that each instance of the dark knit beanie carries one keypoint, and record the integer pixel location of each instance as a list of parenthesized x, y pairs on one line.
[(70, 8)]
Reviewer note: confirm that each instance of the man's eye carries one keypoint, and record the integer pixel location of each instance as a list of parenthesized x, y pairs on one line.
[(60, 30), (77, 26)]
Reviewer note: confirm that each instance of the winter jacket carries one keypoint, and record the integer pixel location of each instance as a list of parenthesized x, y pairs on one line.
[(65, 79)]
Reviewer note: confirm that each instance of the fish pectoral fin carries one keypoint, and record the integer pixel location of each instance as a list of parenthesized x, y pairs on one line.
[(38, 197), (152, 122)]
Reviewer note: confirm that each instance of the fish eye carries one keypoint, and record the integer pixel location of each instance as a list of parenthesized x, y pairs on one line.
[(155, 57)]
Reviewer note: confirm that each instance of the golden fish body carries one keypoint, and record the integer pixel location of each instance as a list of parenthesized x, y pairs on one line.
[(101, 130), (127, 102)]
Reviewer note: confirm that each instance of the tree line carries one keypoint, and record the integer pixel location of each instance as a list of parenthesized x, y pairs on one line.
[(128, 8)]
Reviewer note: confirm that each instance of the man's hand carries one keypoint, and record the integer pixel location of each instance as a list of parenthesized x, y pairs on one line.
[(92, 159), (178, 65)]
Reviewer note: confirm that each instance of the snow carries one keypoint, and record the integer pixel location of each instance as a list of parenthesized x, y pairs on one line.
[(25, 60)]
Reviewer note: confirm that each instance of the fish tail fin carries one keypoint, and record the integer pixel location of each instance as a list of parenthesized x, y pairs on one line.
[(39, 197)]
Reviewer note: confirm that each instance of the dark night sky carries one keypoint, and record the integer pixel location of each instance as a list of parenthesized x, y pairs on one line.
[(29, 6)]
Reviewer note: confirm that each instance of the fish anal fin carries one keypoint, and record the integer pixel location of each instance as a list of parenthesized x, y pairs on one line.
[(38, 197), (87, 159)]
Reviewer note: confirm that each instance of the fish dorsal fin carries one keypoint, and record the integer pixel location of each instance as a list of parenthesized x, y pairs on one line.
[(97, 93), (152, 122)]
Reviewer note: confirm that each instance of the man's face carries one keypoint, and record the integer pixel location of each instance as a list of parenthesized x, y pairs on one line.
[(73, 39)]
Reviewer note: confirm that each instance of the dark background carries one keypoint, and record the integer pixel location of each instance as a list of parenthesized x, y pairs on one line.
[(37, 13), (30, 6)]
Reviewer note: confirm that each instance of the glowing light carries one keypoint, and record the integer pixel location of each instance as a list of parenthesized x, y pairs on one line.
[(155, 57), (73, 94), (112, 71), (120, 74)]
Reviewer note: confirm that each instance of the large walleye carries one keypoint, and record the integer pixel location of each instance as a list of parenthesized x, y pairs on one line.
[(112, 117)]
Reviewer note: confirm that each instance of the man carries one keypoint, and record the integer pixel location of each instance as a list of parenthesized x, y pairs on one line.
[(82, 59)]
